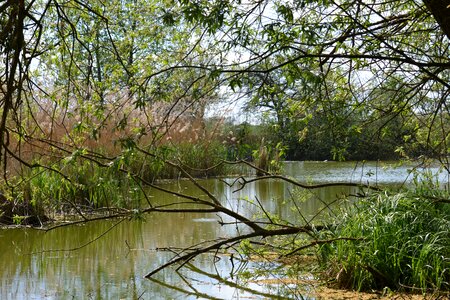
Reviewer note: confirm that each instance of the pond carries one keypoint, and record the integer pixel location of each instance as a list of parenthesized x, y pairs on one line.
[(109, 259)]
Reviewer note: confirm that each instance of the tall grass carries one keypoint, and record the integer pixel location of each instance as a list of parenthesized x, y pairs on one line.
[(87, 186), (404, 244), (199, 159)]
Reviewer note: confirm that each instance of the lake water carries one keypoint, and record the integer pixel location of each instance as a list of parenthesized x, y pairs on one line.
[(109, 259)]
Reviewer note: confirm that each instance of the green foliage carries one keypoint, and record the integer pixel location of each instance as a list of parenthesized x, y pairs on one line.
[(199, 158), (17, 220), (404, 244), (341, 135), (241, 140), (87, 185)]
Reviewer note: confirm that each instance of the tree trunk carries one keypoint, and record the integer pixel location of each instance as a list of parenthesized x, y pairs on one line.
[(440, 9)]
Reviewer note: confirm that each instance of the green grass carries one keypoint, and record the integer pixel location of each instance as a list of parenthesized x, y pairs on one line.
[(198, 159), (87, 186), (405, 244)]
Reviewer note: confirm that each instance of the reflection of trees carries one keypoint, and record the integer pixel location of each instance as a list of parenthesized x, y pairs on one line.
[(117, 260)]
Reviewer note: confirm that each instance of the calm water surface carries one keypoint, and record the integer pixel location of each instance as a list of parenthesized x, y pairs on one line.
[(109, 259)]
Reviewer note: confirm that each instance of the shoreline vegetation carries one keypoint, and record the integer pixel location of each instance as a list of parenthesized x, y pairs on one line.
[(109, 165)]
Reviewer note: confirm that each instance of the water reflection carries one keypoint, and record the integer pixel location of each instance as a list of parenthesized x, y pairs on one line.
[(111, 268), (372, 172), (222, 283), (114, 266)]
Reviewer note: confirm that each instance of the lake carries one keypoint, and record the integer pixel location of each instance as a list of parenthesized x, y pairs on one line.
[(109, 259)]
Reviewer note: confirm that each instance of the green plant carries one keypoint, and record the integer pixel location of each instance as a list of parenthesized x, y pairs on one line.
[(86, 184), (403, 244), (199, 158)]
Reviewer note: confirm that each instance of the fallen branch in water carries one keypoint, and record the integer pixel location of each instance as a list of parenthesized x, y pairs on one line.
[(263, 233)]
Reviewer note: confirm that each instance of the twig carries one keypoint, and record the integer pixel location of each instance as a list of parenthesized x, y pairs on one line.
[(82, 246)]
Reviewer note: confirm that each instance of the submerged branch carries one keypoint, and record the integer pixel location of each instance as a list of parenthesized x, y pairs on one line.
[(218, 245)]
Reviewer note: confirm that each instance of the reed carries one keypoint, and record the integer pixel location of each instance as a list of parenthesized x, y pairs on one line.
[(201, 157)]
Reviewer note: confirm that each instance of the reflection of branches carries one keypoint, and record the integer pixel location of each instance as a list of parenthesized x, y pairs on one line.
[(184, 291), (230, 283), (85, 244), (263, 233), (219, 279)]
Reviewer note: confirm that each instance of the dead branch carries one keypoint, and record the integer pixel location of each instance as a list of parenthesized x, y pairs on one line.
[(244, 181), (264, 233)]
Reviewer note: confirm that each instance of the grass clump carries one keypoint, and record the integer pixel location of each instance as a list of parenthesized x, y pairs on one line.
[(200, 160), (403, 244)]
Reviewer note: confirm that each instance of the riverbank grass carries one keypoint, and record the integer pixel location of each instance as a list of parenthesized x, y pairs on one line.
[(74, 184), (403, 244)]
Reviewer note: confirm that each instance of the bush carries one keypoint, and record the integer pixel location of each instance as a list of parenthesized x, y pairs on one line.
[(404, 244)]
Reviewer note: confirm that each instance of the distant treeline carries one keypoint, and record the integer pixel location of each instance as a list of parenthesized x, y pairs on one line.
[(320, 139)]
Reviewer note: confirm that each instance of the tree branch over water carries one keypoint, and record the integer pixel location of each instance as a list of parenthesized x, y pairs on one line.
[(264, 233), (244, 181)]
